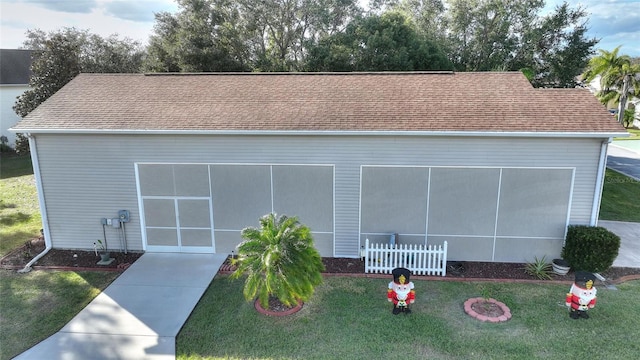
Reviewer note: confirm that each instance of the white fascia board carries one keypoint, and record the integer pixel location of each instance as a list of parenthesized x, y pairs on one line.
[(327, 133)]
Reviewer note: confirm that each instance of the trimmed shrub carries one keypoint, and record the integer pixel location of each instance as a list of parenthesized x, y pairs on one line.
[(590, 248)]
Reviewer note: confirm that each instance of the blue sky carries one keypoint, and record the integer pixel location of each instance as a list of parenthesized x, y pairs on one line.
[(614, 22)]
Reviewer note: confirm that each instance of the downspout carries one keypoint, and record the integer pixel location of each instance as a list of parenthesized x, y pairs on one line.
[(597, 194), (43, 208)]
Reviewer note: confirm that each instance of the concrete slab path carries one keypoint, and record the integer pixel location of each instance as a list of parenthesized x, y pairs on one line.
[(629, 232), (139, 315)]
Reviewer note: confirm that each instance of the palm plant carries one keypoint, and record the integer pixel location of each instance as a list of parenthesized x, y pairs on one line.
[(279, 260), (618, 78)]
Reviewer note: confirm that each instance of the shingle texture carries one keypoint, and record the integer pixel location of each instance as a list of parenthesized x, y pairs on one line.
[(15, 66), (424, 102)]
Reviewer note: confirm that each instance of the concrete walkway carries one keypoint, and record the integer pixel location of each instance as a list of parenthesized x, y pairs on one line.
[(139, 315), (624, 157), (629, 232)]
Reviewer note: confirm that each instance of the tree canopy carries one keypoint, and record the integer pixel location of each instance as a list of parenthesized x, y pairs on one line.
[(61, 55), (242, 35), (389, 42), (205, 35), (338, 35)]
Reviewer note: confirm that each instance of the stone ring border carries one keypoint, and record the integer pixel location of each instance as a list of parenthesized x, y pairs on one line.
[(494, 319)]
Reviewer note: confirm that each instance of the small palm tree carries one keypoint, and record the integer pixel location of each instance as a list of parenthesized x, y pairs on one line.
[(279, 260)]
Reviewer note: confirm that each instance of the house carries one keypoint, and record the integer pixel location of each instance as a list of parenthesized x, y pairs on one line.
[(483, 161), (15, 70)]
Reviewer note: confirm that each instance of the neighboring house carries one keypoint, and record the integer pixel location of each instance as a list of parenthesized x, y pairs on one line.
[(195, 158), (15, 70)]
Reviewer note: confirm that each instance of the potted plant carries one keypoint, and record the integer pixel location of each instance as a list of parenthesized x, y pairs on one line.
[(539, 268), (560, 266), (279, 261), (101, 249)]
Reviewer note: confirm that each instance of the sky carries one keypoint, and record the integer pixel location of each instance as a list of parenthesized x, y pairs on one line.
[(614, 22)]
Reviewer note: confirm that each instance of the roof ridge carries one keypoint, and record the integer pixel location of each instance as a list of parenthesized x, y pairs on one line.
[(444, 72)]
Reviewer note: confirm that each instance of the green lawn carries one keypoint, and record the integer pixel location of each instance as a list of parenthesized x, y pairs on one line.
[(37, 304), (350, 318), (12, 166), (634, 135), (19, 212), (620, 198)]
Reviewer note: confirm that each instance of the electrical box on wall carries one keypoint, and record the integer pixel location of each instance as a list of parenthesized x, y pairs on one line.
[(123, 215)]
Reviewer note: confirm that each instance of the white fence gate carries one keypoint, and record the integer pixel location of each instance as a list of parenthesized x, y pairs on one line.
[(420, 259)]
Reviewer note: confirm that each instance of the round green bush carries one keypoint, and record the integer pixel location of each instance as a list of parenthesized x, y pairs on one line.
[(590, 248)]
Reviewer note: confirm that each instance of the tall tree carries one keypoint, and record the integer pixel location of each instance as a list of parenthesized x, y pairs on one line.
[(507, 35), (618, 78), (428, 15), (389, 42), (223, 35), (484, 34), (556, 47), (61, 55), (204, 35)]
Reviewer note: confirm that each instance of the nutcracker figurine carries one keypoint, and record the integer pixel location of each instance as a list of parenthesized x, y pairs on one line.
[(582, 295), (401, 292)]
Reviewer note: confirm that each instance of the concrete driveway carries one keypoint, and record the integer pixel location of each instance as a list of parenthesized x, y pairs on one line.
[(624, 157), (139, 315)]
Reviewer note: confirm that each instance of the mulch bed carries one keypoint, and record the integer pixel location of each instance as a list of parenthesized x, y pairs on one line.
[(87, 260)]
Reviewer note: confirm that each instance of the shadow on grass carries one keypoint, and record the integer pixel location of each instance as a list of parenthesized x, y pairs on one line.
[(3, 205), (39, 303), (15, 218), (15, 240)]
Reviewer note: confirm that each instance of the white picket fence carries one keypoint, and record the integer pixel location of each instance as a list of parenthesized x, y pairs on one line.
[(420, 259)]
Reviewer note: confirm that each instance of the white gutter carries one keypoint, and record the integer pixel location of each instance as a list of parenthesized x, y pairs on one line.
[(565, 134), (597, 193), (33, 148)]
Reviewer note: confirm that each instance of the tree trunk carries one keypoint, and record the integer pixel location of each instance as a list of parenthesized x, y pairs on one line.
[(622, 105)]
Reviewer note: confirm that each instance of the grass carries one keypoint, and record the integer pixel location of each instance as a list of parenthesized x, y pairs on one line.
[(634, 135), (620, 196), (19, 212), (12, 166), (350, 318), (38, 304)]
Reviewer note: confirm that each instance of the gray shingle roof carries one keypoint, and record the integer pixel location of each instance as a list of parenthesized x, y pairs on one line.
[(15, 66), (331, 102)]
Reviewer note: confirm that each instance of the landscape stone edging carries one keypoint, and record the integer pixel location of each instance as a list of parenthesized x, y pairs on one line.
[(375, 276), (494, 319), (261, 310)]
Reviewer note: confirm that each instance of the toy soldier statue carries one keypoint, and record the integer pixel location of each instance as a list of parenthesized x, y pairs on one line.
[(582, 295), (401, 292)]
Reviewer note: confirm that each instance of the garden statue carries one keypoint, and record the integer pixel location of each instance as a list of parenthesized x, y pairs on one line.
[(401, 292), (582, 295)]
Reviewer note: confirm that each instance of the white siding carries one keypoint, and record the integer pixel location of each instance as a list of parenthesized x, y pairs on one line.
[(8, 117), (88, 177)]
